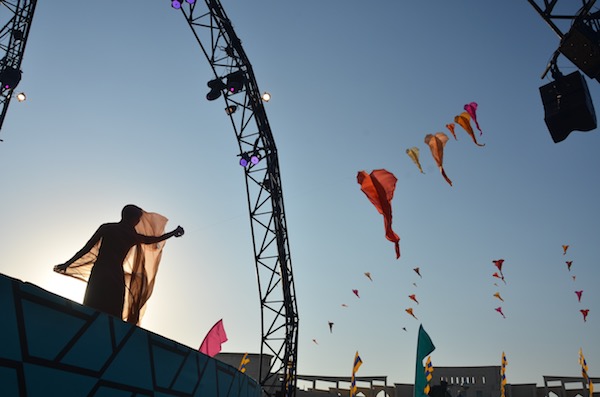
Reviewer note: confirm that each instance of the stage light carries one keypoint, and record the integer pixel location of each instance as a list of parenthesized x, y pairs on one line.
[(230, 109), (568, 106), (176, 4), (249, 158), (235, 81), (216, 86), (266, 96), (244, 160), (191, 1), (21, 97)]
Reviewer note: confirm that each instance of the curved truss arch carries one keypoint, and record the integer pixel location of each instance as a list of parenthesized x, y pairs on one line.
[(279, 315)]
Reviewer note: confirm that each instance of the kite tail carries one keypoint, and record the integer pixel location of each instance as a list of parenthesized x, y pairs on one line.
[(397, 245), (445, 176)]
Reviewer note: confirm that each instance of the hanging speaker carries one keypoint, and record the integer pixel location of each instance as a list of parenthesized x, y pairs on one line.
[(568, 106)]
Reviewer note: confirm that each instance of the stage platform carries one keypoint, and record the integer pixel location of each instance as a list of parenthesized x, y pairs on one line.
[(52, 346)]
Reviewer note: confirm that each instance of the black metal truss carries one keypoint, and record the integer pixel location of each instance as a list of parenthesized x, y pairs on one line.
[(13, 38), (279, 315), (553, 14)]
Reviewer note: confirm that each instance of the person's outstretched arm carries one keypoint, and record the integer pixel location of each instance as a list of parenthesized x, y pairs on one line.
[(86, 248), (178, 232)]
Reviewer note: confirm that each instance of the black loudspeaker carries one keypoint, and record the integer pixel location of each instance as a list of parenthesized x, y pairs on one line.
[(581, 45), (568, 106)]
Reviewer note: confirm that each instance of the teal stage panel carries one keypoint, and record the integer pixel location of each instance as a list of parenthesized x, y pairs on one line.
[(52, 346)]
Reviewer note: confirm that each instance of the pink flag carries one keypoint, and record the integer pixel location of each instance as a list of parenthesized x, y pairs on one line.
[(211, 345)]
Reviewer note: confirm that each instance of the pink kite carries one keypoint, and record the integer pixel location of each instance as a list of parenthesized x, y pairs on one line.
[(497, 295), (585, 313), (410, 311), (211, 345), (379, 187), (499, 310), (565, 248), (414, 297), (464, 120), (471, 108), (356, 293), (450, 127), (418, 271), (578, 293), (436, 144), (368, 275), (569, 263)]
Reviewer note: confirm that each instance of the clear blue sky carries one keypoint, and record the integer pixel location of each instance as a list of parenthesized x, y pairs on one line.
[(116, 114)]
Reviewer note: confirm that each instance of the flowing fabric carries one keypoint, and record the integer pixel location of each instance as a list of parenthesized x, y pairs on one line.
[(379, 188), (140, 267), (211, 345)]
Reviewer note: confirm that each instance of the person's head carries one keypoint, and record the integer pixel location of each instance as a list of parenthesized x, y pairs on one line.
[(131, 214)]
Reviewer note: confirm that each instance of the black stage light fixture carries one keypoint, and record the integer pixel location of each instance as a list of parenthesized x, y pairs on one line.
[(10, 77), (235, 81), (568, 106), (216, 86)]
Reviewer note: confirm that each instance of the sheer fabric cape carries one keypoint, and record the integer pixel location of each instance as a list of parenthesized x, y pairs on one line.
[(140, 267)]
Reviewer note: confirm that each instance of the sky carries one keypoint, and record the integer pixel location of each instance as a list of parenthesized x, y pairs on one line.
[(116, 114)]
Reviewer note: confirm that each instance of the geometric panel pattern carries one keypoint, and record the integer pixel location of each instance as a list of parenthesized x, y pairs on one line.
[(52, 346)]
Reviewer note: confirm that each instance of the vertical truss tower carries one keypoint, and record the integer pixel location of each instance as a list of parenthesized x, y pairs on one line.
[(13, 38), (234, 81)]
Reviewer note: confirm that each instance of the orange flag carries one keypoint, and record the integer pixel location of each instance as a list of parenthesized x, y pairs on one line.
[(436, 144), (379, 188)]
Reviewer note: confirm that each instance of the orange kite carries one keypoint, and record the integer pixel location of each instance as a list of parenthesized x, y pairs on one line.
[(450, 127), (436, 144), (465, 122), (379, 188)]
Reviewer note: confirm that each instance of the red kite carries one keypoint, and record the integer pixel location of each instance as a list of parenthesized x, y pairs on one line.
[(410, 311), (471, 108), (585, 313), (578, 293), (500, 276), (379, 187), (330, 326), (368, 274), (499, 310), (413, 297), (356, 293), (569, 263), (413, 153), (497, 295), (436, 144), (418, 271), (464, 120), (450, 127), (565, 248)]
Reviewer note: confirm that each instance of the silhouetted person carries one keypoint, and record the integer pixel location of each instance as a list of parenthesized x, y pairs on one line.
[(106, 285)]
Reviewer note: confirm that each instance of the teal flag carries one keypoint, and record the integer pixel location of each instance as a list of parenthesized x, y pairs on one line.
[(424, 348)]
